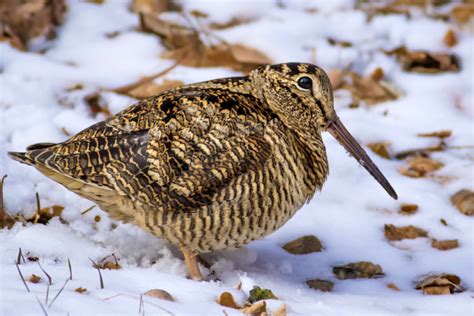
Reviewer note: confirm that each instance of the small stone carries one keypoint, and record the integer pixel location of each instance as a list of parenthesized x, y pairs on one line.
[(304, 245), (258, 294), (321, 285), (362, 269), (161, 294)]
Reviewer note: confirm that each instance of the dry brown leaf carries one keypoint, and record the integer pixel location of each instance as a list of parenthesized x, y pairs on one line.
[(440, 284), (185, 46), (304, 245), (424, 62), (380, 149), (161, 294), (45, 214), (420, 166), (97, 104), (231, 23), (34, 279), (462, 13), (255, 309), (408, 209), (154, 6), (149, 89), (440, 134), (321, 285), (464, 201), (362, 269), (393, 286), (395, 233), (340, 43), (80, 290), (22, 21), (280, 311), (444, 244), (450, 39), (226, 299), (421, 152), (108, 262)]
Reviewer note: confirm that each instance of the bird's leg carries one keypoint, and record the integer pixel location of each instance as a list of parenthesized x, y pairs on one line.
[(191, 262)]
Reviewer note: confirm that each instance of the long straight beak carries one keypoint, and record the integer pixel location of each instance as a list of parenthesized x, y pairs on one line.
[(339, 131)]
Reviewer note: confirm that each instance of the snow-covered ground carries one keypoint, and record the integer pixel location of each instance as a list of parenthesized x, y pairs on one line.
[(348, 216)]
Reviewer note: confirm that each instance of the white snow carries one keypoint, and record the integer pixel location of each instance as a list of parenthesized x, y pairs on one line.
[(347, 216)]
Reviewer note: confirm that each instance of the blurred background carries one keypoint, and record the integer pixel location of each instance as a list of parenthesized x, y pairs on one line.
[(403, 85)]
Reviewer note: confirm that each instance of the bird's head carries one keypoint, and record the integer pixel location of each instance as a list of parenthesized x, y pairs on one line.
[(301, 96)]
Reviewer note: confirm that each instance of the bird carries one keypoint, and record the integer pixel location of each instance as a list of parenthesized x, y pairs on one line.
[(212, 165)]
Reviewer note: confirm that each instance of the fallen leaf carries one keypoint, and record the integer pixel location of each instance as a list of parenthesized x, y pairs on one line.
[(420, 166), (321, 285), (280, 311), (424, 62), (444, 244), (255, 309), (340, 43), (380, 149), (393, 287), (464, 201), (161, 294), (443, 222), (97, 104), (440, 284), (226, 299), (45, 214), (362, 269), (440, 134), (450, 39), (154, 6), (80, 290), (258, 294), (108, 262), (304, 245), (24, 20), (395, 233), (149, 89), (462, 13), (34, 278), (32, 258), (408, 209), (368, 90), (421, 152)]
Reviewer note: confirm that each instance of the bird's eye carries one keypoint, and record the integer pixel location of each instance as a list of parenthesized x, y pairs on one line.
[(305, 83)]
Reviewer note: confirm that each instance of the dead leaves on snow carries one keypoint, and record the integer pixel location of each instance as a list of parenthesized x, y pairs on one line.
[(21, 21), (425, 62), (463, 200), (255, 304), (161, 294), (396, 233), (419, 167), (321, 285), (304, 245)]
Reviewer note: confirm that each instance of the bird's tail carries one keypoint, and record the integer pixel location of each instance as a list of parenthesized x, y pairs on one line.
[(30, 156), (22, 157)]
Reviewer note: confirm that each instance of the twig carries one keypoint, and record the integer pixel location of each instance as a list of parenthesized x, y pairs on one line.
[(50, 280), (100, 274), (70, 268), (2, 208), (42, 307), (60, 291), (20, 257), (127, 88), (21, 275), (87, 210), (141, 307)]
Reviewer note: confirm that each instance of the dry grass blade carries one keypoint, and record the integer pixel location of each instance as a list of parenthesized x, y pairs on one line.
[(59, 292), (70, 268), (21, 275), (141, 306), (42, 306), (20, 257), (100, 274), (2, 208), (46, 299), (50, 280), (87, 210)]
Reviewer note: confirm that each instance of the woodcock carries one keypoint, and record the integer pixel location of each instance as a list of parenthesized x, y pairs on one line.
[(211, 165)]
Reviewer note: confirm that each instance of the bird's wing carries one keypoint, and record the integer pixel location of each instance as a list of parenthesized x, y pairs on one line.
[(174, 151)]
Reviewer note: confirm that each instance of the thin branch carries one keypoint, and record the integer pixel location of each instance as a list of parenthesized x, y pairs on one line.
[(87, 210), (60, 291), (22, 278), (47, 295), (38, 208), (50, 280), (20, 257)]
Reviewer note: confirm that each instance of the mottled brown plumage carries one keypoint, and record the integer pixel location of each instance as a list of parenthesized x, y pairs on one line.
[(208, 166)]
